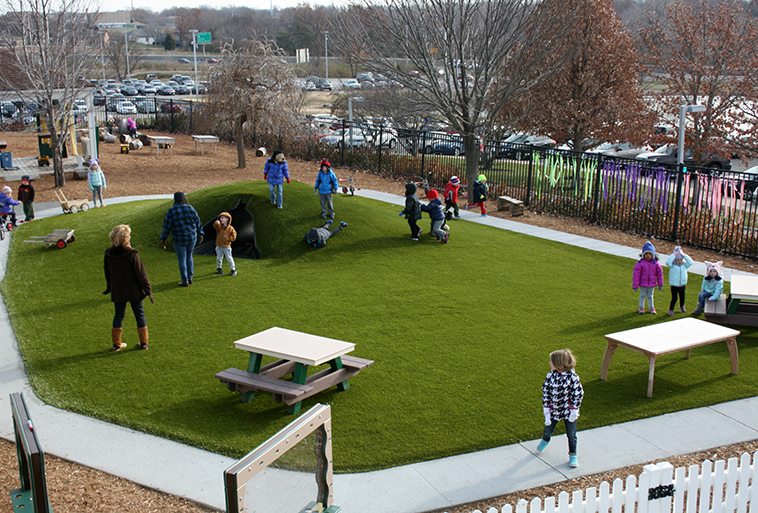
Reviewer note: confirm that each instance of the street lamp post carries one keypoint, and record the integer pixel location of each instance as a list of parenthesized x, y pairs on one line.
[(683, 110), (126, 43), (194, 55), (102, 55), (358, 99), (326, 53)]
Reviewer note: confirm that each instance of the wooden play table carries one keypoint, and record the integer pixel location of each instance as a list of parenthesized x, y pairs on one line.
[(202, 140), (161, 142), (296, 352), (670, 337)]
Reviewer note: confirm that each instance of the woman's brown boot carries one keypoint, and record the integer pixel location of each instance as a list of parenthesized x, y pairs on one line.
[(143, 337), (118, 345)]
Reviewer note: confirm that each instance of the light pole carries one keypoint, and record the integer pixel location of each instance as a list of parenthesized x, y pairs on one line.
[(126, 43), (102, 55), (326, 53), (683, 110), (358, 99), (194, 54)]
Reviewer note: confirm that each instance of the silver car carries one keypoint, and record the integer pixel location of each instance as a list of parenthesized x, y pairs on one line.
[(622, 150)]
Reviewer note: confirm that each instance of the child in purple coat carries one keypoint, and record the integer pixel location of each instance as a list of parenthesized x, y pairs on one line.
[(647, 275)]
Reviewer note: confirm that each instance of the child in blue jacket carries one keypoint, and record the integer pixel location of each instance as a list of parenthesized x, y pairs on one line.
[(326, 185), (276, 172), (437, 214), (713, 286), (678, 264)]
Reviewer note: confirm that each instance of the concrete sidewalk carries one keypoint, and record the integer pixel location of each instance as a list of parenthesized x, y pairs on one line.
[(164, 465)]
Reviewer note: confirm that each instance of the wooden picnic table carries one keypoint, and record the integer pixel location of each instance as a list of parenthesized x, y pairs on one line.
[(202, 140), (296, 352), (742, 303), (161, 142), (670, 337)]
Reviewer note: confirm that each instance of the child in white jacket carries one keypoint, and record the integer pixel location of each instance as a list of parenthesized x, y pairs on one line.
[(678, 263)]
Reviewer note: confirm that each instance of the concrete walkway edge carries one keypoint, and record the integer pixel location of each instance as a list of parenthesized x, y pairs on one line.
[(165, 465)]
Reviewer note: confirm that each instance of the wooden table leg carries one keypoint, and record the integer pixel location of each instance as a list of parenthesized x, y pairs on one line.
[(731, 344), (336, 365), (253, 367), (650, 376), (301, 374), (612, 346)]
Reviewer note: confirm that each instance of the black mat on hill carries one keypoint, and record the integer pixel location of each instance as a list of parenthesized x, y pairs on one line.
[(245, 246)]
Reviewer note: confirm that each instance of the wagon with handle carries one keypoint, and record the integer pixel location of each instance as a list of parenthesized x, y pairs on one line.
[(59, 238), (71, 206)]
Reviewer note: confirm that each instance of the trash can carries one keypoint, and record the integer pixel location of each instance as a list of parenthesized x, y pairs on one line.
[(6, 160), (45, 146)]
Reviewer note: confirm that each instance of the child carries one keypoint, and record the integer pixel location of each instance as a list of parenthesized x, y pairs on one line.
[(412, 210), (317, 237), (562, 395), (451, 197), (326, 185), (679, 263), (713, 286), (96, 182), (127, 282), (26, 197), (480, 195), (131, 127), (225, 235), (6, 205), (647, 274), (434, 208), (275, 172)]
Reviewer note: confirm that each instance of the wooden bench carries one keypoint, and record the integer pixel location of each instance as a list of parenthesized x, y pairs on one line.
[(716, 310), (516, 207)]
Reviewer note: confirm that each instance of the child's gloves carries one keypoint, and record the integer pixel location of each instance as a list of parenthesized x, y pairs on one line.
[(573, 415), (265, 176), (634, 289), (660, 287), (334, 191), (546, 412), (288, 180), (106, 291), (401, 213)]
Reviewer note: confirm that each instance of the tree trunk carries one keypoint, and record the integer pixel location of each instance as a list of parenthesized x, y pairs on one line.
[(241, 163), (471, 149)]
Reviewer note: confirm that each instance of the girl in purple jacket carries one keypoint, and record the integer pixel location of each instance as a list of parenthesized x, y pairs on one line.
[(647, 275)]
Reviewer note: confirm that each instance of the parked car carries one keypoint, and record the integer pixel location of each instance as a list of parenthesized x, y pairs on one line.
[(184, 60), (165, 90), (449, 147), (156, 83), (112, 86), (198, 89), (505, 150), (621, 150), (324, 120), (150, 76), (351, 83), (80, 107), (309, 86), (168, 107), (113, 100), (144, 105), (365, 76), (346, 136), (147, 89), (98, 98), (129, 90), (126, 107), (667, 154), (8, 110), (213, 60), (181, 89), (367, 84), (384, 137), (324, 85), (127, 81)]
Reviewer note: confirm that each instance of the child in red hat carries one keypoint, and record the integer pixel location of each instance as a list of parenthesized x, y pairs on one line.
[(437, 214), (326, 185)]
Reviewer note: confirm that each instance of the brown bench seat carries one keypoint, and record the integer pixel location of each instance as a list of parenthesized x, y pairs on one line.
[(242, 381)]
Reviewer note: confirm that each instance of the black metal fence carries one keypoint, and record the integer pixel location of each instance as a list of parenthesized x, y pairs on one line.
[(707, 208)]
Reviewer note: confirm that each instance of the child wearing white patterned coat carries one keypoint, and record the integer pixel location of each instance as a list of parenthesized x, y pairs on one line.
[(562, 396)]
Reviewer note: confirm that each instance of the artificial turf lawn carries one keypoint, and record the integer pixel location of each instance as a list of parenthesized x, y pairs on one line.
[(460, 333)]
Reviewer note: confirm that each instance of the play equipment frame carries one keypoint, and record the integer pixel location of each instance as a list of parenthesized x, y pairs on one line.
[(319, 420)]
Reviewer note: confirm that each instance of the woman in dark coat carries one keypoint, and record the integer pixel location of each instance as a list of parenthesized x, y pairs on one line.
[(127, 282)]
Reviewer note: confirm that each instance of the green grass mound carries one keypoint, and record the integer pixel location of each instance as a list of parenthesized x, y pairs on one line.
[(460, 332)]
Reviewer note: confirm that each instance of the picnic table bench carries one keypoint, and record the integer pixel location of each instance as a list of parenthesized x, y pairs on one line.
[(742, 303), (202, 140), (161, 142), (670, 337), (296, 351)]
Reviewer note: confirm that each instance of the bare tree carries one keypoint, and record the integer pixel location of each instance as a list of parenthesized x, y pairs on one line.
[(253, 87), (469, 57), (53, 43), (115, 53)]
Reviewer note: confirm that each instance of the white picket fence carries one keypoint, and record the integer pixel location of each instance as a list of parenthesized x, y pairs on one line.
[(720, 487)]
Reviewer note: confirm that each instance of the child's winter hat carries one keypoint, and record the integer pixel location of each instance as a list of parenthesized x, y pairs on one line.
[(481, 178), (410, 188), (6, 190), (678, 253), (326, 163), (648, 248), (433, 194), (455, 180), (27, 178), (93, 162), (716, 266)]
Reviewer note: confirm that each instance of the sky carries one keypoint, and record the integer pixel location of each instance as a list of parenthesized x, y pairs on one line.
[(159, 5)]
